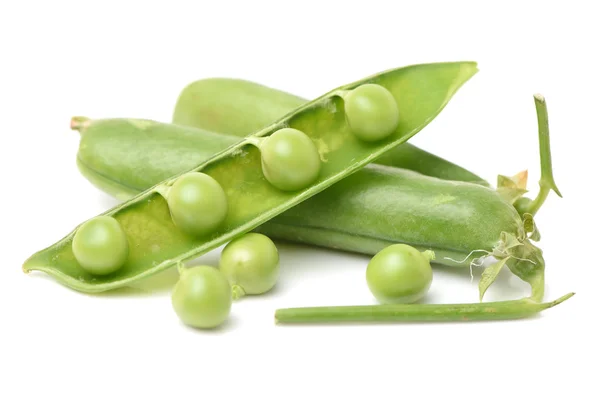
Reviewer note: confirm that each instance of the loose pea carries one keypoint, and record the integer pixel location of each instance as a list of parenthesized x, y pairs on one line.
[(371, 112), (202, 297), (197, 203), (400, 274), (290, 160), (251, 264), (100, 245)]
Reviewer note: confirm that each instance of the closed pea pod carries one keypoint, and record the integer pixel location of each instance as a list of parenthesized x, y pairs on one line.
[(252, 200)]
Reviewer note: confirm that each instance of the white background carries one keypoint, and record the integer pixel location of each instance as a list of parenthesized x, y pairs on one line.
[(126, 59)]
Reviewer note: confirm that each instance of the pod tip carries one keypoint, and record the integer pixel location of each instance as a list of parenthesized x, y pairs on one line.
[(562, 299)]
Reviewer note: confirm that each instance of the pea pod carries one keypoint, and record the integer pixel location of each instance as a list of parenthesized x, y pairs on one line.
[(236, 107), (156, 243), (367, 211)]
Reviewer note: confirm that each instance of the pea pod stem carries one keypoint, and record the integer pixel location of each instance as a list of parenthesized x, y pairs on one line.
[(499, 310), (237, 292), (80, 123), (547, 182)]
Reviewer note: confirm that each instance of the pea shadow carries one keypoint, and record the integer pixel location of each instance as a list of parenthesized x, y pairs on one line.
[(225, 327)]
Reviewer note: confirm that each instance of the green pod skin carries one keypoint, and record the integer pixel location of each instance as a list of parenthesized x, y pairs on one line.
[(162, 150), (380, 205), (236, 107), (421, 92)]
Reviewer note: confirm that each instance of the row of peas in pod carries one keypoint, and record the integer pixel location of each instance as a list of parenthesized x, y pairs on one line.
[(198, 205)]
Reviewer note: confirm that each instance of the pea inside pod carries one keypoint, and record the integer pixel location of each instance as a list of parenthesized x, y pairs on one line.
[(157, 243), (100, 245), (371, 111), (290, 160), (197, 203)]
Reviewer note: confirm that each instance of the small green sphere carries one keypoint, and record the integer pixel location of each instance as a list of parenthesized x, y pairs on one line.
[(290, 160), (251, 264), (197, 203), (202, 297), (400, 274), (372, 112), (522, 205), (100, 245)]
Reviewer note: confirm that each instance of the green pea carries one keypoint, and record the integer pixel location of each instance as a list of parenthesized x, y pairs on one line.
[(251, 264), (197, 203), (400, 274), (371, 112), (290, 160), (202, 297), (100, 245)]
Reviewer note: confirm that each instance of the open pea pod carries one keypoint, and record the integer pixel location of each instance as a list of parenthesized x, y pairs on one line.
[(155, 243)]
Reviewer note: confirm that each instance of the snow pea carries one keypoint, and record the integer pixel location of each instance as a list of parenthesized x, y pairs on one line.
[(237, 107), (156, 243)]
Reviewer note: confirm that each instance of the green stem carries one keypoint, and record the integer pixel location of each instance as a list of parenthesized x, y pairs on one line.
[(547, 182), (80, 123), (181, 268), (237, 292), (429, 255), (499, 310)]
